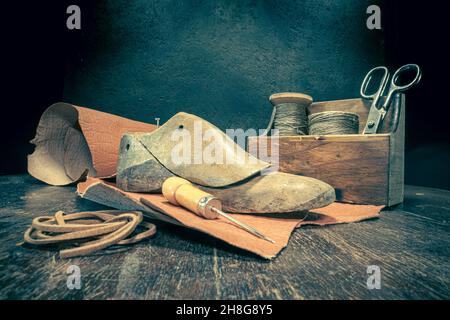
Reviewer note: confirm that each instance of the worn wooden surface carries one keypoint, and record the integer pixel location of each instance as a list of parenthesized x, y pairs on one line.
[(409, 243)]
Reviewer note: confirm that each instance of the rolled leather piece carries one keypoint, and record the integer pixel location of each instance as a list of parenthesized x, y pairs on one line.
[(146, 160), (73, 142)]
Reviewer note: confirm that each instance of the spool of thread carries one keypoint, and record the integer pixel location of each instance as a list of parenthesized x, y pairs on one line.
[(290, 114), (333, 122)]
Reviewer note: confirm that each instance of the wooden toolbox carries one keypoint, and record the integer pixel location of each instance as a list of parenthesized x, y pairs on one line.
[(363, 169)]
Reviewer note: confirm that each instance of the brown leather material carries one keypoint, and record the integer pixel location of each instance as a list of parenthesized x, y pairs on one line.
[(72, 142), (276, 226), (103, 228)]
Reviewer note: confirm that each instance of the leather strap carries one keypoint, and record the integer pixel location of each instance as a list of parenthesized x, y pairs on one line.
[(103, 229)]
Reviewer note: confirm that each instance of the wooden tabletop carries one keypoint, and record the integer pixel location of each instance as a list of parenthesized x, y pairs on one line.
[(409, 244)]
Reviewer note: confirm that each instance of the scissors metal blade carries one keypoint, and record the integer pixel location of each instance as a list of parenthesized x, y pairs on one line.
[(376, 114), (373, 120)]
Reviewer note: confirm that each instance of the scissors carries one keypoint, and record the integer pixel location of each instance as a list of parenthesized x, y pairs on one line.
[(376, 112)]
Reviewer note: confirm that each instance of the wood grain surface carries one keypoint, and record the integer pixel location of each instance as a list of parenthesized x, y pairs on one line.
[(356, 166), (409, 243)]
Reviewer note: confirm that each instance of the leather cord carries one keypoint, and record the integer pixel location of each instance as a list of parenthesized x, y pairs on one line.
[(93, 231)]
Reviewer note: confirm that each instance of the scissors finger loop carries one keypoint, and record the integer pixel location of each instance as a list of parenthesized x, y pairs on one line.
[(367, 80), (403, 69)]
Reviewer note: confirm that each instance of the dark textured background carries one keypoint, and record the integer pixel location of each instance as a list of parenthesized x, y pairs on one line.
[(220, 60)]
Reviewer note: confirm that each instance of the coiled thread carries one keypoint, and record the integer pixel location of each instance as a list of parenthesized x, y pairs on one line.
[(291, 119), (333, 123)]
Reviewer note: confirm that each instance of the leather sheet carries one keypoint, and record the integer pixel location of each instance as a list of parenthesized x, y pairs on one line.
[(278, 227), (73, 142)]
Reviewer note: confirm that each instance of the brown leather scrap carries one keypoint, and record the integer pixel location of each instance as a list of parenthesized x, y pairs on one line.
[(278, 227), (73, 141)]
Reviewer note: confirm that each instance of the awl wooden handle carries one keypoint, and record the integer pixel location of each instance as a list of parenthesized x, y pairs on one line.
[(181, 192)]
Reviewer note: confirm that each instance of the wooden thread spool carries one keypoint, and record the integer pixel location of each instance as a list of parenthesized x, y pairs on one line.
[(333, 123), (290, 113)]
